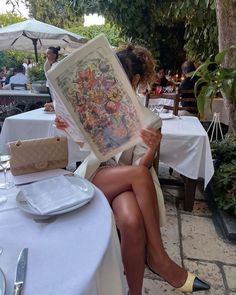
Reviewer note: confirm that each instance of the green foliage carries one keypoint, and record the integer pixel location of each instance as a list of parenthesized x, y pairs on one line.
[(162, 25), (10, 18), (59, 13), (36, 73), (225, 187), (216, 78), (200, 26), (112, 33), (224, 153), (12, 57)]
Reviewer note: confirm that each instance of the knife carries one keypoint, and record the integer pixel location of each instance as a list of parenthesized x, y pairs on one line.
[(20, 272)]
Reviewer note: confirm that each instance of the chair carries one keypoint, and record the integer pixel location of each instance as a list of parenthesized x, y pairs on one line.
[(16, 86), (171, 100), (174, 101), (187, 96)]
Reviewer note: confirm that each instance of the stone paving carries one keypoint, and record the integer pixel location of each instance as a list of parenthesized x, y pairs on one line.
[(193, 239)]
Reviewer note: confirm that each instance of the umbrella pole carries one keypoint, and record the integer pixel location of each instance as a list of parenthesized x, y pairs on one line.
[(35, 49)]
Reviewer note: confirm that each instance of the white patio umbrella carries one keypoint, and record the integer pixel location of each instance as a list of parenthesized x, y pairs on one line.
[(34, 35)]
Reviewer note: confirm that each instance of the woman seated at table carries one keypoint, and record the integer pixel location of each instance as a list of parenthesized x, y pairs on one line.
[(130, 190)]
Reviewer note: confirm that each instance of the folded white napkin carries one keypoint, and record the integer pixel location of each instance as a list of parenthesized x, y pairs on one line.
[(52, 194)]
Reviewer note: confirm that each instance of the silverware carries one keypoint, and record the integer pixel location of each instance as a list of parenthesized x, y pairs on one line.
[(20, 272)]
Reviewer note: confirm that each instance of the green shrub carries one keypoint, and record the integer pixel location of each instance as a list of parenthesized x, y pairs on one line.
[(224, 181), (225, 150), (36, 73)]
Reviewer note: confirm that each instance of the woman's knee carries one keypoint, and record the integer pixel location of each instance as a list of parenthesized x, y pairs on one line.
[(132, 227), (141, 172)]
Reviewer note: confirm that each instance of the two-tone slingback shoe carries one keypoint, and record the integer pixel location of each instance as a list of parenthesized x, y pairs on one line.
[(192, 283)]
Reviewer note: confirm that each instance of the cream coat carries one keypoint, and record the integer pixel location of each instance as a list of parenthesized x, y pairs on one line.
[(130, 157)]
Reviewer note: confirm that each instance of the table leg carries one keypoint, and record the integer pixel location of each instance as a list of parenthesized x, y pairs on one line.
[(189, 193), (189, 186)]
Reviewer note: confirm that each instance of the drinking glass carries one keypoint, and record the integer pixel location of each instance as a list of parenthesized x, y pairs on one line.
[(4, 164)]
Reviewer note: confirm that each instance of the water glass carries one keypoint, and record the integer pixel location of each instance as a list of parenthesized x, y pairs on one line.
[(4, 164)]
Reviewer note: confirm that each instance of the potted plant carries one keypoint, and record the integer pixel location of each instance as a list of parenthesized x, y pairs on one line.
[(37, 78), (215, 78)]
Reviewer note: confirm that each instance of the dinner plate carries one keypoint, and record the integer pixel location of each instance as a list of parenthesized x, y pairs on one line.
[(2, 283), (166, 116), (83, 186)]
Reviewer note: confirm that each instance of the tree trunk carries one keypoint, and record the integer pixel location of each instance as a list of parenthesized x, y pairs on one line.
[(226, 18)]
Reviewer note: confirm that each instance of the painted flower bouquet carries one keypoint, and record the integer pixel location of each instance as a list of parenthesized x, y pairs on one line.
[(94, 95)]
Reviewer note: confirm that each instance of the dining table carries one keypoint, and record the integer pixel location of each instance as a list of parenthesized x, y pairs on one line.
[(36, 124), (217, 106), (184, 147), (76, 253), (25, 98)]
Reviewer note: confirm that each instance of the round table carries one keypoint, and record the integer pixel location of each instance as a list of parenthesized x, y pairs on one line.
[(77, 253)]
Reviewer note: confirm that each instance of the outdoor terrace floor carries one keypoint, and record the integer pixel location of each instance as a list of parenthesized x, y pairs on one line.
[(195, 240)]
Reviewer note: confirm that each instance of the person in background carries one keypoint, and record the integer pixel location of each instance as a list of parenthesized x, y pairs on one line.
[(161, 78), (188, 83), (132, 189), (161, 82), (18, 78), (11, 72), (52, 55), (170, 76), (2, 77), (25, 65), (31, 64)]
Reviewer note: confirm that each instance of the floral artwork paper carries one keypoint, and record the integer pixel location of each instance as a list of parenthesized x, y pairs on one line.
[(93, 94)]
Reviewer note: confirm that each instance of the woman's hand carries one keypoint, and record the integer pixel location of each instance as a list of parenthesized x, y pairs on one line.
[(151, 137), (60, 123)]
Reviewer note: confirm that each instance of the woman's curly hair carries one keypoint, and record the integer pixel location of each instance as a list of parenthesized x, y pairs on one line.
[(136, 59)]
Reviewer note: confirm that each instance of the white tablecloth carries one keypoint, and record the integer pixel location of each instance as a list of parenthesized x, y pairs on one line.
[(77, 254), (217, 106), (36, 124), (184, 147)]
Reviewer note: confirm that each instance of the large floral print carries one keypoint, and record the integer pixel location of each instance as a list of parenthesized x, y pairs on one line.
[(102, 106)]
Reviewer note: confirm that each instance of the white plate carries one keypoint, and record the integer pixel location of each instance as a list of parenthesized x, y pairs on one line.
[(2, 283), (166, 116), (77, 181)]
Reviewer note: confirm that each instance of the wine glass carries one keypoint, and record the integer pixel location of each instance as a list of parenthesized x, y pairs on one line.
[(158, 109), (4, 164)]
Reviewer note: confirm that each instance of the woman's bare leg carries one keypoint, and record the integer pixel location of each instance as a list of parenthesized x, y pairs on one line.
[(129, 221), (116, 180)]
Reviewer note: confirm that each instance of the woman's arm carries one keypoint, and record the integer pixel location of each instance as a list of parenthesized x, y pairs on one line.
[(152, 138)]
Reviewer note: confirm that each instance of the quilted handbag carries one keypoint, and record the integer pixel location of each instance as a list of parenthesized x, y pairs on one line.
[(28, 156)]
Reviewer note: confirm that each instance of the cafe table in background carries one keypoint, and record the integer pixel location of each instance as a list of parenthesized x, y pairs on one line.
[(25, 98)]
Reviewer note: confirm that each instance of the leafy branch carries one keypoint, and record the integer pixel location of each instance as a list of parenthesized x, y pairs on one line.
[(214, 78)]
